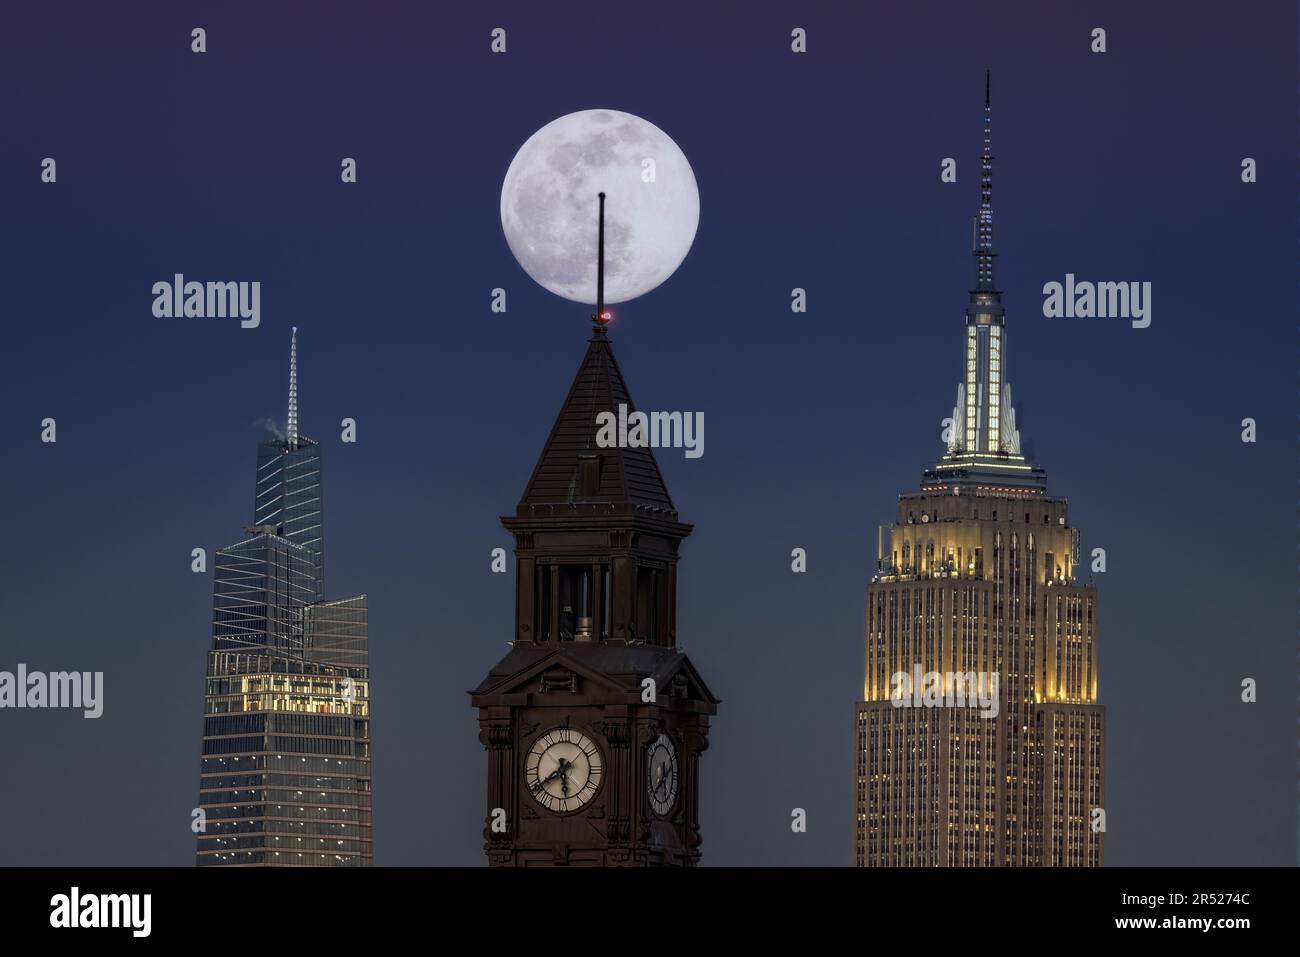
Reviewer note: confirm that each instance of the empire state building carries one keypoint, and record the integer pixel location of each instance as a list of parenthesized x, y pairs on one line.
[(979, 740)]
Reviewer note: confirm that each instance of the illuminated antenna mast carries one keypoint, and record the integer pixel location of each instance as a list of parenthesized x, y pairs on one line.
[(601, 317), (291, 427), (984, 221)]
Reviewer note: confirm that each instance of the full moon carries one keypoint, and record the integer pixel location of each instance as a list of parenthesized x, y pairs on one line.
[(549, 205)]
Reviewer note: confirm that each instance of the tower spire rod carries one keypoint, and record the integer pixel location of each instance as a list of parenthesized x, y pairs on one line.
[(601, 317), (291, 426), (984, 221)]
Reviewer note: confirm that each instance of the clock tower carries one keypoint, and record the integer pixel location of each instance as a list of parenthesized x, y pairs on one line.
[(594, 721)]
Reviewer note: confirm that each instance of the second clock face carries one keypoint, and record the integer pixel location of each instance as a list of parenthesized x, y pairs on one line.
[(563, 770), (661, 775)]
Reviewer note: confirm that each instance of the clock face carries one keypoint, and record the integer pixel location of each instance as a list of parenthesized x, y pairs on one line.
[(661, 775), (563, 770)]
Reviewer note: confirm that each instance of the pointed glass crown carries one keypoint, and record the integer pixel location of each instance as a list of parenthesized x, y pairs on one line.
[(983, 454)]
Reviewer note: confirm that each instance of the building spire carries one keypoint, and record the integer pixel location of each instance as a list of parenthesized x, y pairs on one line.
[(601, 317), (291, 426), (984, 221), (984, 449)]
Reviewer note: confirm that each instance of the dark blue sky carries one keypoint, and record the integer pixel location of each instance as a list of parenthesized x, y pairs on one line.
[(819, 171)]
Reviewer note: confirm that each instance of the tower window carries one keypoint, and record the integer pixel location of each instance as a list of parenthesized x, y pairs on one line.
[(647, 604), (565, 600), (575, 602), (588, 475), (542, 602)]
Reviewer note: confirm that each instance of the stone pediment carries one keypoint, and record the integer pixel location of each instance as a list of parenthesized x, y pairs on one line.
[(607, 671)]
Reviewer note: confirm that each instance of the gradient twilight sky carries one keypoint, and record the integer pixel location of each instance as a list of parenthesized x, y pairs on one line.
[(819, 171)]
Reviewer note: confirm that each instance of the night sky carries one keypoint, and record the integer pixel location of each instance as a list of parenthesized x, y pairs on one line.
[(819, 171)]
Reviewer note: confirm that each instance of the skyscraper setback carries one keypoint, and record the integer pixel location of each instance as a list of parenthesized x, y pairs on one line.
[(285, 777), (288, 483), (977, 576)]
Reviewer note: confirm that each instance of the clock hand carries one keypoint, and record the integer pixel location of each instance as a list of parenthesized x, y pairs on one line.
[(542, 782)]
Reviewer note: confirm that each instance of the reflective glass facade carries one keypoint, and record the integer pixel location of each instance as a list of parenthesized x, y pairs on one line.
[(289, 499), (336, 632), (260, 588)]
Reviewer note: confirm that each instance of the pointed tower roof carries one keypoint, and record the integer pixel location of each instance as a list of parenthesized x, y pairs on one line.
[(573, 467), (621, 476)]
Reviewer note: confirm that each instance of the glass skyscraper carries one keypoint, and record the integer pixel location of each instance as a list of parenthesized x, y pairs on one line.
[(285, 777)]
